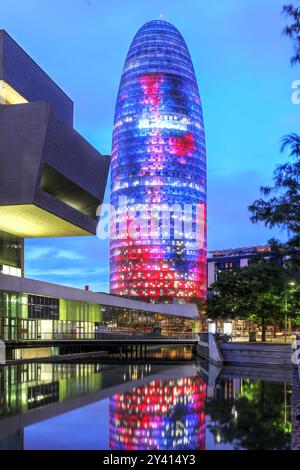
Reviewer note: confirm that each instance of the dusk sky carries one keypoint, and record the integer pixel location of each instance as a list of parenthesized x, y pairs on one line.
[(244, 75)]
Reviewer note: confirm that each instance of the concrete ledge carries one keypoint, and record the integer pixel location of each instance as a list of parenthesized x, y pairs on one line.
[(60, 358), (207, 348), (296, 411), (263, 372), (258, 346)]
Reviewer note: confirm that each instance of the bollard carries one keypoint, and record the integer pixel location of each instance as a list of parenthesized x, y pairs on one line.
[(2, 352)]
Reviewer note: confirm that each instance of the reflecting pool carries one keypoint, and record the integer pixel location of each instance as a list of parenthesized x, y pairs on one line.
[(141, 406)]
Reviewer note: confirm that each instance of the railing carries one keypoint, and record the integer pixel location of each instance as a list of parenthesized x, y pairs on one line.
[(109, 336)]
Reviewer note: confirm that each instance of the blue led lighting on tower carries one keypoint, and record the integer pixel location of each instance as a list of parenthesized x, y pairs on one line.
[(158, 162)]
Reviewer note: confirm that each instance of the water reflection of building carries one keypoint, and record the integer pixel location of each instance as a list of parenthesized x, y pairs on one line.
[(159, 416), (26, 387)]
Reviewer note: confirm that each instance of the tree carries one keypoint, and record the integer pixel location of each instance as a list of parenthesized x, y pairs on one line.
[(200, 303), (255, 293), (281, 203), (293, 30), (262, 292)]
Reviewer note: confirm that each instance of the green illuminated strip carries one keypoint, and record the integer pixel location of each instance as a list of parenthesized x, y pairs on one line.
[(72, 310)]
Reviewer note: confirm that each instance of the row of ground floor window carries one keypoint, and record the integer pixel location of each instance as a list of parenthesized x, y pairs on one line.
[(32, 317)]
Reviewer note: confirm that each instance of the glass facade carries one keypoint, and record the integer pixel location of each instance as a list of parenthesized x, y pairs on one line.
[(44, 308), (30, 317), (11, 254), (161, 415), (158, 172)]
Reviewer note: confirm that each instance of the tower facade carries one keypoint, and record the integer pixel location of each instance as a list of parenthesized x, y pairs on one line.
[(158, 192)]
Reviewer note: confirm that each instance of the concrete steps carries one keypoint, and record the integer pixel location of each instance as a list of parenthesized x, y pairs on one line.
[(259, 354)]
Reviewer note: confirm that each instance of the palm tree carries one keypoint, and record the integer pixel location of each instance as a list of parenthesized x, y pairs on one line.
[(292, 30)]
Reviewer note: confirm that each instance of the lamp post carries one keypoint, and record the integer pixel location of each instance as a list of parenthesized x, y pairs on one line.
[(285, 319), (286, 312)]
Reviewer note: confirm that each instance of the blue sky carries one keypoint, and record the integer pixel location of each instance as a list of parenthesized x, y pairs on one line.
[(242, 65)]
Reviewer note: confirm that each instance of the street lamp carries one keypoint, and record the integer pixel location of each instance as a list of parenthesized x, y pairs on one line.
[(286, 312)]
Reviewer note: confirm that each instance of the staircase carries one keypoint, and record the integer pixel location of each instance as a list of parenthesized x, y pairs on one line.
[(257, 354)]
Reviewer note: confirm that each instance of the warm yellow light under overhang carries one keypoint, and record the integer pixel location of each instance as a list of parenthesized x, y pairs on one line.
[(30, 221), (10, 96)]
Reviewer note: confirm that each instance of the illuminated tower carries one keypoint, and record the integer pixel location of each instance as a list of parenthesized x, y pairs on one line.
[(158, 233), (162, 415)]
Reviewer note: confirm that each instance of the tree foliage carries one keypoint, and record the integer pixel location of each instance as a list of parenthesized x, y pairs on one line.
[(292, 30), (260, 293)]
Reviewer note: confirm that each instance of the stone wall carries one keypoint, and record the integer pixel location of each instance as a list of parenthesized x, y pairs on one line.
[(257, 354)]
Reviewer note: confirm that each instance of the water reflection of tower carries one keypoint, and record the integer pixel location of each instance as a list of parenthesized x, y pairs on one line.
[(161, 415)]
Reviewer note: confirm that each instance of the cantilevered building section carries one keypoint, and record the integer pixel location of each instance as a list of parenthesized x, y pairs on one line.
[(39, 311), (51, 180), (158, 172)]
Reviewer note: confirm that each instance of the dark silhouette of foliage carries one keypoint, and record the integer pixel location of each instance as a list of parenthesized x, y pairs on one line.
[(256, 419)]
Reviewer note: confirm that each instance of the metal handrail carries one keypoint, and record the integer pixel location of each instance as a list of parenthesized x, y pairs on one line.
[(98, 336)]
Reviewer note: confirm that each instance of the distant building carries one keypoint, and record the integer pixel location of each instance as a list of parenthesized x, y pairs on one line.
[(229, 259)]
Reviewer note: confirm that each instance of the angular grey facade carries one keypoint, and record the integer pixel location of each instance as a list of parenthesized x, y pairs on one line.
[(51, 183), (51, 180)]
